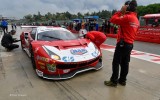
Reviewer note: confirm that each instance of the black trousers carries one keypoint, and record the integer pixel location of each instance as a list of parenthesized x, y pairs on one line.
[(5, 29), (11, 46), (122, 58)]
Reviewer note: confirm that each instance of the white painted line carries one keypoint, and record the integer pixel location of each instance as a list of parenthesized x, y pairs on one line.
[(138, 54)]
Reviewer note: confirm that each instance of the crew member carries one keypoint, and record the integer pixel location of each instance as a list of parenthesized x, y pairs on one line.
[(96, 37), (129, 25), (7, 41)]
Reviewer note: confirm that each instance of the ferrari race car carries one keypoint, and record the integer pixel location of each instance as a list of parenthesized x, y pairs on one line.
[(56, 53)]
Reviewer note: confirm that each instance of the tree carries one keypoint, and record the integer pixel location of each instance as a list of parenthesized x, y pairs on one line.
[(113, 11), (87, 14), (48, 16), (28, 17), (79, 15), (142, 10), (149, 9), (68, 15)]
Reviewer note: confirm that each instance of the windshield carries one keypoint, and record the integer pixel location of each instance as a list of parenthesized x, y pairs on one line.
[(56, 35)]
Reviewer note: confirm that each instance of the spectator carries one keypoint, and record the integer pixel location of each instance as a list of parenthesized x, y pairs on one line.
[(108, 26), (4, 25), (12, 25), (97, 26), (155, 23), (15, 26)]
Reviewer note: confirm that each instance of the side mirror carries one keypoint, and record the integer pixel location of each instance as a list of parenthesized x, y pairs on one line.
[(26, 35)]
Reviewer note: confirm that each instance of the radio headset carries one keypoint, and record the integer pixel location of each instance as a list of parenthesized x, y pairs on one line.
[(128, 3)]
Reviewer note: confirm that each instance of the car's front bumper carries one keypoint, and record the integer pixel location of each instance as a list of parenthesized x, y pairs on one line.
[(70, 74)]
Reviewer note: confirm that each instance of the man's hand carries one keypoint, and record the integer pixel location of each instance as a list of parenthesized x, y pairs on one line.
[(15, 40), (123, 9)]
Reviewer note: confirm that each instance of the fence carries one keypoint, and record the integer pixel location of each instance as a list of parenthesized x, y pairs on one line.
[(145, 34)]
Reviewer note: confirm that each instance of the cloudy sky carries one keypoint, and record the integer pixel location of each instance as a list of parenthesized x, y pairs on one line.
[(20, 8)]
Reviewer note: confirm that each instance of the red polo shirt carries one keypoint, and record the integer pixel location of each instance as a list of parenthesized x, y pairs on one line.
[(96, 37), (128, 26)]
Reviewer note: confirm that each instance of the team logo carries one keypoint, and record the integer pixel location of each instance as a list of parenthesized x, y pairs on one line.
[(79, 51)]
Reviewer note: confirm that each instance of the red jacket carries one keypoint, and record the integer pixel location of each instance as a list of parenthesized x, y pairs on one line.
[(96, 37), (128, 26)]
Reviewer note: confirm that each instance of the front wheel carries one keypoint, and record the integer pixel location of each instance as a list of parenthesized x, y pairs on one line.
[(32, 58), (22, 45)]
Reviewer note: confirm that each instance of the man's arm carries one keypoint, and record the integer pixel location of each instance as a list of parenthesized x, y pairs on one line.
[(119, 17), (15, 40)]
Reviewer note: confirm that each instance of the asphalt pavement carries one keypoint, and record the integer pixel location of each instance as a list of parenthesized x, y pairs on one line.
[(18, 80)]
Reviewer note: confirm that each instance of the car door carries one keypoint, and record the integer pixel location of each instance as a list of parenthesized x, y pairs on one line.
[(29, 37)]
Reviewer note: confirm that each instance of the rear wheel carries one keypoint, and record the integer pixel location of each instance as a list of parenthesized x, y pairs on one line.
[(32, 58)]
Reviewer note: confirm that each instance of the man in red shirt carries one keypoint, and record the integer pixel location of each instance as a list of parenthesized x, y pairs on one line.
[(128, 27)]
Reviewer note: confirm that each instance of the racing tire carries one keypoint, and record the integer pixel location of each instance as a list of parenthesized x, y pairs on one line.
[(101, 60), (32, 58), (22, 46)]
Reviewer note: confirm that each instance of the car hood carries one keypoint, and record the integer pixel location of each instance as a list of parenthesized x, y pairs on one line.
[(71, 51)]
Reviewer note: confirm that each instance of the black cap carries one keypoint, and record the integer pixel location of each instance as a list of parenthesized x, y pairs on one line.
[(132, 5), (127, 3)]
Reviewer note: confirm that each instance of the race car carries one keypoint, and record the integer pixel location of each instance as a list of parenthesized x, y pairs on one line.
[(56, 53)]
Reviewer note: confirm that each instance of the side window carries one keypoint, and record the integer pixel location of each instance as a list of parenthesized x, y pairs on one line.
[(33, 33)]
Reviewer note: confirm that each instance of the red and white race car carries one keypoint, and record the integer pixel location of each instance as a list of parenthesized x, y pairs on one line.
[(57, 54)]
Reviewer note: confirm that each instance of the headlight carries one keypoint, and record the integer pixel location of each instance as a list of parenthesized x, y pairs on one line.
[(52, 54), (56, 57)]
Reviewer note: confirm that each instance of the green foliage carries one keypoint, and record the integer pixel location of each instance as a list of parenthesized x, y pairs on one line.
[(150, 9), (142, 10)]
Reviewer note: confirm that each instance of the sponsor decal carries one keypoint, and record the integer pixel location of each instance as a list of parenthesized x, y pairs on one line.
[(95, 54), (36, 50), (41, 63), (78, 51), (68, 59), (42, 67), (42, 58), (51, 67), (66, 70)]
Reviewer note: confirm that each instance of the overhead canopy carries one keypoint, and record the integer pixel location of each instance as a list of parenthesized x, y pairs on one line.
[(77, 20), (93, 17), (151, 16)]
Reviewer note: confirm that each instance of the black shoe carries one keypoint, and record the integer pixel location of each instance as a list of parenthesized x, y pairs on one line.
[(8, 50), (110, 83), (122, 83)]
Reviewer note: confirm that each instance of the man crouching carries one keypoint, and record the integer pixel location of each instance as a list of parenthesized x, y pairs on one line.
[(7, 41)]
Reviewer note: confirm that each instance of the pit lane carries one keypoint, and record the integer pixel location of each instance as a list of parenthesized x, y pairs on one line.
[(18, 81)]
